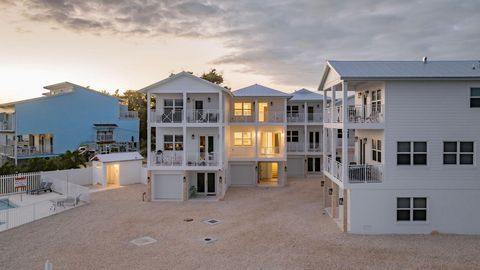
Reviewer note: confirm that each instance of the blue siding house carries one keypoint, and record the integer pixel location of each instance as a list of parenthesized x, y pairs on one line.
[(67, 117)]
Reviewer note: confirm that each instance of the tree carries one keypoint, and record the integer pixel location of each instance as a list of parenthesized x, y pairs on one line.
[(213, 76)]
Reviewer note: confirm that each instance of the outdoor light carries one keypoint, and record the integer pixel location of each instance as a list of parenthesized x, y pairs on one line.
[(322, 183), (184, 179), (271, 103), (193, 136), (318, 105), (303, 105), (356, 138), (285, 168), (220, 179), (188, 99), (209, 99), (340, 201), (330, 191)]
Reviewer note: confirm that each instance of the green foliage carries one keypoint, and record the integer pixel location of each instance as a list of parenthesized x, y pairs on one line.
[(69, 160), (213, 76)]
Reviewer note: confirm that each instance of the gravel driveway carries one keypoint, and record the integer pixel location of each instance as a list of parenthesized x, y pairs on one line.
[(261, 228)]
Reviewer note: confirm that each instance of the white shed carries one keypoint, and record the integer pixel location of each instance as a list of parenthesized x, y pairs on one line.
[(117, 169)]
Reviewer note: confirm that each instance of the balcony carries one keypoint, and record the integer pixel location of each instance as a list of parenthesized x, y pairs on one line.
[(128, 115), (271, 117), (314, 147), (365, 173), (355, 114), (203, 116), (294, 147), (167, 159), (295, 117), (33, 151), (100, 138), (166, 116), (242, 119), (242, 152), (202, 159), (268, 152), (7, 150)]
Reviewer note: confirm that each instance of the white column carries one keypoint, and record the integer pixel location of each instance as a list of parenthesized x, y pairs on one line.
[(149, 131), (184, 112), (220, 107), (221, 128), (305, 116), (345, 132), (305, 112), (333, 102), (324, 134), (184, 129)]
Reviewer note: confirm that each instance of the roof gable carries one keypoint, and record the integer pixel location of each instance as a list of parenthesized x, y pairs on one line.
[(183, 81), (258, 90), (306, 95), (115, 157)]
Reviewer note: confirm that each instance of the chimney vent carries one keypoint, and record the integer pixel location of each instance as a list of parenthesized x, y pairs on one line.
[(424, 60)]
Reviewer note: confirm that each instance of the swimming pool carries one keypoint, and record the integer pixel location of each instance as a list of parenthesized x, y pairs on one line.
[(6, 204)]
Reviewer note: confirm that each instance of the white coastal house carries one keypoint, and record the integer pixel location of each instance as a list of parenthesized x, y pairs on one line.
[(415, 165), (205, 138)]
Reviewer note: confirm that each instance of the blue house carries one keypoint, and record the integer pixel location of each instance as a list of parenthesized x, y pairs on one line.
[(66, 117)]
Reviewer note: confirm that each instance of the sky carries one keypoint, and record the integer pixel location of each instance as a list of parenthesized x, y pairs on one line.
[(125, 44)]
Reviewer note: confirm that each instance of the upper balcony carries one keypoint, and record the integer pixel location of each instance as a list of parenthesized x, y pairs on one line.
[(364, 173), (301, 147), (7, 122), (359, 116), (203, 116), (263, 117), (166, 116), (193, 116), (300, 118), (176, 159)]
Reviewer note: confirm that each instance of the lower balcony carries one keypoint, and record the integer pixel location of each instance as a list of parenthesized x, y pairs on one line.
[(202, 159), (167, 159), (365, 173)]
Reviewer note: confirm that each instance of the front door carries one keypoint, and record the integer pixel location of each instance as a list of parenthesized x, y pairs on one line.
[(198, 110), (314, 140), (206, 183), (206, 148), (313, 165), (310, 113), (262, 112), (362, 152)]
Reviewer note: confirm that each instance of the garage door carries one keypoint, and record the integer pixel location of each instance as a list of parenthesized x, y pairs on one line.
[(242, 174), (295, 167), (168, 187)]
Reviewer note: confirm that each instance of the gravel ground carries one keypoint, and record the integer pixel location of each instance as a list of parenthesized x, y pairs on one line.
[(261, 228)]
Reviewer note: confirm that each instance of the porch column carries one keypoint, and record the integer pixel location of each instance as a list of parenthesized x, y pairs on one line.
[(345, 132), (334, 200), (221, 128), (149, 131), (184, 129), (305, 127), (345, 210)]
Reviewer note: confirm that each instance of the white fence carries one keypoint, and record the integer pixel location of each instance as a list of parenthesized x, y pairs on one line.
[(7, 182), (66, 196)]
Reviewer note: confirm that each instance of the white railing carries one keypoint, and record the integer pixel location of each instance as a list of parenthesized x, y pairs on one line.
[(327, 115), (270, 151), (365, 173), (203, 116), (7, 182), (67, 196), (295, 147), (315, 117), (7, 121), (314, 147), (202, 159), (32, 151), (167, 158), (242, 151), (365, 114), (334, 168), (104, 138), (166, 117), (295, 117), (242, 118), (7, 125), (7, 150), (271, 117), (128, 115)]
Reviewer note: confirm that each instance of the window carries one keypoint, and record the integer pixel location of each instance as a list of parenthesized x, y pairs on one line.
[(292, 135), (340, 133), (173, 142), (242, 138), (242, 109), (377, 150), (292, 110), (411, 153), (458, 153), (474, 97), (411, 209), (173, 104), (377, 101)]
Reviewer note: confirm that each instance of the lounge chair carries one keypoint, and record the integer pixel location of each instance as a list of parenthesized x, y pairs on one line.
[(47, 187), (42, 185)]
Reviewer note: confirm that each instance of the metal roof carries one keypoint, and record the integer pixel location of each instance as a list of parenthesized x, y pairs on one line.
[(306, 95), (115, 157), (407, 69), (258, 90)]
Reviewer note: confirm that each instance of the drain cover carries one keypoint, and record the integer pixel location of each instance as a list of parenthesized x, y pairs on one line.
[(212, 221), (208, 240), (188, 220), (143, 241)]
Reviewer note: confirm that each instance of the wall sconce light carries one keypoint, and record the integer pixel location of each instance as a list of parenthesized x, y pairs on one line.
[(256, 168), (184, 179), (322, 183), (188, 99), (271, 103), (330, 191), (303, 106), (318, 105), (220, 179), (340, 201), (364, 140), (285, 168), (366, 92), (253, 103), (193, 136), (356, 138), (209, 99)]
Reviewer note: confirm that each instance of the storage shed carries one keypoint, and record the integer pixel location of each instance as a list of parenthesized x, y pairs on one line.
[(117, 169)]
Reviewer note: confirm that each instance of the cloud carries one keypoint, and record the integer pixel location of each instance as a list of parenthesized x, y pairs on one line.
[(286, 40)]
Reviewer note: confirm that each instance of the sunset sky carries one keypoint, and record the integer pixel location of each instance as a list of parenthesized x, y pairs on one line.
[(122, 44)]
